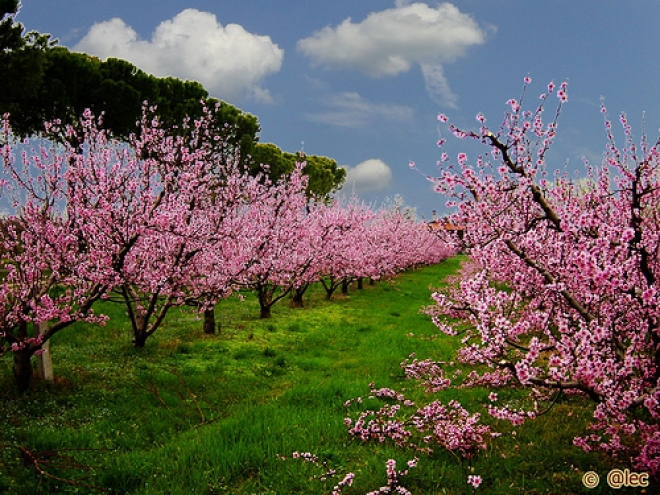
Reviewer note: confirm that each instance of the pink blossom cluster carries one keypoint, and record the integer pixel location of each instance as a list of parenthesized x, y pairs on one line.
[(452, 427), (380, 425), (347, 480), (428, 372), (30, 341), (393, 475), (566, 297), (393, 486), (328, 473), (474, 480), (423, 428)]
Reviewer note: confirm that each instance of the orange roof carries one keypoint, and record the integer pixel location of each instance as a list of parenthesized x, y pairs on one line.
[(440, 225)]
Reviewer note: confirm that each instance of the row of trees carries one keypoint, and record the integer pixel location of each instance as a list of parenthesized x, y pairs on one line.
[(43, 82), (164, 219)]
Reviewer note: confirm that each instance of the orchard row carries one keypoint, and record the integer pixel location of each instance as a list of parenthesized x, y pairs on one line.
[(166, 220)]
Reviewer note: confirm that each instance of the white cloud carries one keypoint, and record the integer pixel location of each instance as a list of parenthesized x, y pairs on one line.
[(369, 176), (352, 110), (392, 41), (437, 85), (229, 61)]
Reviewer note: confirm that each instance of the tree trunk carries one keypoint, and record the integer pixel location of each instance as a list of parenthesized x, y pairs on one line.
[(265, 311), (297, 297), (22, 369), (265, 294), (329, 287), (139, 340), (360, 284), (209, 321), (140, 334), (344, 287), (297, 301)]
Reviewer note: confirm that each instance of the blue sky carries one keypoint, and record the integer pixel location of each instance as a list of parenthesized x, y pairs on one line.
[(362, 81)]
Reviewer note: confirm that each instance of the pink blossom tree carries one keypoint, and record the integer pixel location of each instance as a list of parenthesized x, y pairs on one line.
[(397, 241), (185, 237), (329, 221), (90, 215), (68, 235), (563, 296), (272, 241), (345, 248), (365, 243)]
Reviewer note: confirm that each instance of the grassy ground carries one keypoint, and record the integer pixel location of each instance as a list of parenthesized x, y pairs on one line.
[(198, 414)]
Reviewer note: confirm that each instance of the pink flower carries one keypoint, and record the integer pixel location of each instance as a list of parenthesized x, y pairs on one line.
[(462, 158), (474, 480)]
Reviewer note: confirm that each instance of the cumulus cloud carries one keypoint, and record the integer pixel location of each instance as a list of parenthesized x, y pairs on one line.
[(393, 41), (369, 176), (228, 60), (352, 110)]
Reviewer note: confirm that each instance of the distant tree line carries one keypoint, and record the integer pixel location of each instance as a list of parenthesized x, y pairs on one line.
[(43, 82)]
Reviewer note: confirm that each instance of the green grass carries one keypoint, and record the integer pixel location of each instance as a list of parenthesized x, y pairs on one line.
[(199, 414)]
